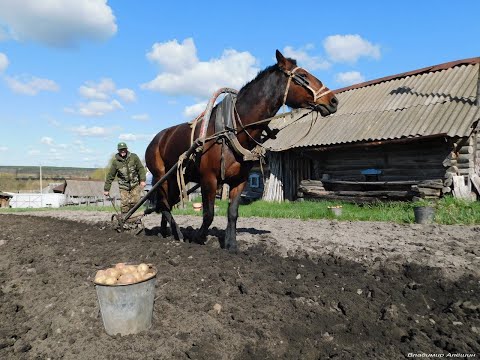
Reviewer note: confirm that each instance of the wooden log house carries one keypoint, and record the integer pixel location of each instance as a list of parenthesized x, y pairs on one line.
[(406, 136)]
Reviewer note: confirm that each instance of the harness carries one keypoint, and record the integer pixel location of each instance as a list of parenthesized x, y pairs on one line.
[(300, 80), (226, 128)]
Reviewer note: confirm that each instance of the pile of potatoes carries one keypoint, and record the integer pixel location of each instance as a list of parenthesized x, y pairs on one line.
[(123, 274)]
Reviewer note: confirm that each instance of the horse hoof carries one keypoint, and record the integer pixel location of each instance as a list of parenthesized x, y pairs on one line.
[(200, 241), (232, 249), (179, 237)]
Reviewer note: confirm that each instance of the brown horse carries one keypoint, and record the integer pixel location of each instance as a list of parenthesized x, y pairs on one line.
[(261, 98)]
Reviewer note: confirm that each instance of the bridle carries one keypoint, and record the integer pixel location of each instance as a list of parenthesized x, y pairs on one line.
[(317, 94)]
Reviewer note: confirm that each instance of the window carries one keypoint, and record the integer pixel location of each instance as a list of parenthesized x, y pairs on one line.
[(254, 181)]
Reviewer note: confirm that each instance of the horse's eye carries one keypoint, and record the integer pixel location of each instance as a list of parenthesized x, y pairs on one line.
[(303, 75)]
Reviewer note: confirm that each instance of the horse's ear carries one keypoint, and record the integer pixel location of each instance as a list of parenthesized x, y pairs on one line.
[(281, 61)]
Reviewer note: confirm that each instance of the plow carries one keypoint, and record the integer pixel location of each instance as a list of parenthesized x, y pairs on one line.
[(133, 223)]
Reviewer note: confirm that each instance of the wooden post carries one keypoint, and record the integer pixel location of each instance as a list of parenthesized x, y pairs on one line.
[(225, 191)]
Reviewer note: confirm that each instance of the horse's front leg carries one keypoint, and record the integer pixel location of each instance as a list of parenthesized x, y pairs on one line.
[(231, 231), (209, 190)]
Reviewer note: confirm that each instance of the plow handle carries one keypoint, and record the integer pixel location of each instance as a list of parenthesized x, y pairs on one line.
[(189, 152)]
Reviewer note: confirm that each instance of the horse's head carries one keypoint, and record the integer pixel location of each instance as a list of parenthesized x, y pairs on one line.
[(304, 90)]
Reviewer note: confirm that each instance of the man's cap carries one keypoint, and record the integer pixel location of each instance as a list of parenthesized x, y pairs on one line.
[(122, 145)]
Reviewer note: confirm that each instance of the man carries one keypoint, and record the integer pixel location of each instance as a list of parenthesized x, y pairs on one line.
[(131, 177)]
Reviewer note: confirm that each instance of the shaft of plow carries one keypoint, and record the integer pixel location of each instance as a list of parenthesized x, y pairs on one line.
[(189, 152)]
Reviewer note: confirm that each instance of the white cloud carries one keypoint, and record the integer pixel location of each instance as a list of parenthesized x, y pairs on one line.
[(100, 91), (46, 140), (141, 117), (54, 122), (174, 57), (349, 48), (3, 62), (135, 137), (93, 131), (349, 78), (3, 34), (33, 152), (58, 23), (193, 111), (55, 157), (98, 108), (3, 148), (127, 95), (304, 59), (84, 150), (101, 94), (184, 74), (30, 85)]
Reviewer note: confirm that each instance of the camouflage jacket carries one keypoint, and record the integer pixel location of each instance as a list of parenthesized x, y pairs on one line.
[(129, 171)]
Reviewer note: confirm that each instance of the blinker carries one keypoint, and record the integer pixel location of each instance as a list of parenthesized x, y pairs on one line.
[(300, 80)]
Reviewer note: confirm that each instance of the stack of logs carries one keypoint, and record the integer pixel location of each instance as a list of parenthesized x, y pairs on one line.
[(364, 192), (428, 189)]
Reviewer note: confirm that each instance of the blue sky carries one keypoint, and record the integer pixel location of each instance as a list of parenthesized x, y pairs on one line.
[(78, 76)]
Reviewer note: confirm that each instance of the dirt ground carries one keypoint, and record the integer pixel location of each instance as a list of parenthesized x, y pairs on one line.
[(296, 290)]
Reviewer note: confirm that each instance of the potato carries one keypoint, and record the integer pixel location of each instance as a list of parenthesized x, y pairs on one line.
[(127, 279), (100, 279), (138, 276), (143, 268), (120, 266), (124, 274), (129, 269), (110, 280), (112, 272)]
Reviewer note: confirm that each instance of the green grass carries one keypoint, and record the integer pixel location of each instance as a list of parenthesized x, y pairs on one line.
[(448, 211)]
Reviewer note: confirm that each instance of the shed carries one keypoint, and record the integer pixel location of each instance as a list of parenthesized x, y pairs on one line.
[(397, 137), (86, 191)]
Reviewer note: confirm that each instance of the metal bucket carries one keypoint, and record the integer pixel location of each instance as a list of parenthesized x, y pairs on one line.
[(424, 214), (337, 211), (127, 309)]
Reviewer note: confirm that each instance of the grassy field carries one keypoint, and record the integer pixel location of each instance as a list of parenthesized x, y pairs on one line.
[(448, 211), (27, 178)]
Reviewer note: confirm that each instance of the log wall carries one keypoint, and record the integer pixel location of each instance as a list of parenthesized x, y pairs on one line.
[(420, 160), (438, 160), (287, 169)]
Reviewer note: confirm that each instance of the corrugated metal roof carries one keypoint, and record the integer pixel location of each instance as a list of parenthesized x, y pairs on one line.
[(431, 101)]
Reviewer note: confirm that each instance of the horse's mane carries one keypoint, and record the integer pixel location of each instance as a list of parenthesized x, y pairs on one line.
[(262, 73)]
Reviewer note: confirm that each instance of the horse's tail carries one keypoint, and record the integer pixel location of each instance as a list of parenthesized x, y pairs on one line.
[(161, 155), (156, 165)]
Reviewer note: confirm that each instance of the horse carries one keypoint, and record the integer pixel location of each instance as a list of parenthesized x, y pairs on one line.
[(260, 99)]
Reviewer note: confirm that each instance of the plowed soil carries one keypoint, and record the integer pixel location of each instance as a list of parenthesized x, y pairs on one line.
[(295, 290)]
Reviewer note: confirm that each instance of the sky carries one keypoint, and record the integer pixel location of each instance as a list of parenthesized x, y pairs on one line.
[(79, 76)]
